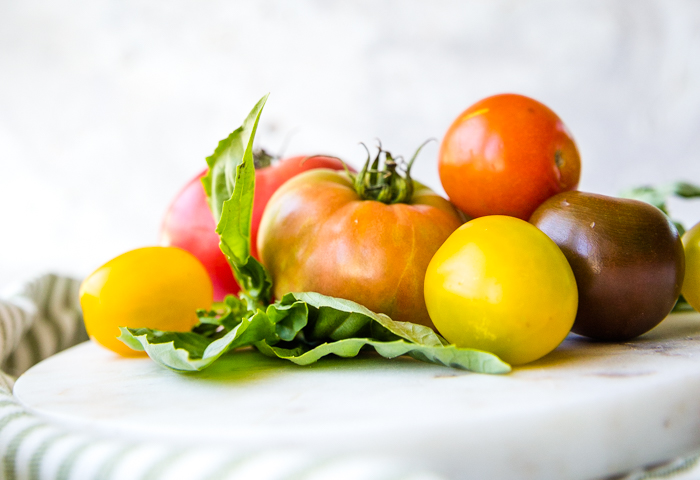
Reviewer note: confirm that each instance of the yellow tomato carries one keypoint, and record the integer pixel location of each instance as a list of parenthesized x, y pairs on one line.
[(152, 287), (500, 285), (691, 281)]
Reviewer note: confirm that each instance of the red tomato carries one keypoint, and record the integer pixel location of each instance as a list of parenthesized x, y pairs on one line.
[(189, 224), (505, 155)]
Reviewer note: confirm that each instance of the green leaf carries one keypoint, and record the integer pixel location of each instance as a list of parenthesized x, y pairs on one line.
[(227, 314), (230, 188), (448, 355), (343, 328), (288, 318), (302, 328), (682, 305), (686, 190), (219, 181), (658, 196), (189, 351)]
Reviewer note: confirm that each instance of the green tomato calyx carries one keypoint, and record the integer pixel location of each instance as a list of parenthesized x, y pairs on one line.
[(382, 180), (262, 159)]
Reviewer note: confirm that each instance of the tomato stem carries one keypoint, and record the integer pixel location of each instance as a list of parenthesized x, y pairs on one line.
[(381, 179), (262, 159)]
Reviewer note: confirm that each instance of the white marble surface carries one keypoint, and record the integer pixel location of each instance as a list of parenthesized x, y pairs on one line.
[(107, 107), (585, 411)]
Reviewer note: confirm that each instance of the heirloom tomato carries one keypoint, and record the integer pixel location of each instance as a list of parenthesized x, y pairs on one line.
[(691, 283), (152, 287), (626, 256), (500, 285), (365, 237), (189, 224), (505, 155)]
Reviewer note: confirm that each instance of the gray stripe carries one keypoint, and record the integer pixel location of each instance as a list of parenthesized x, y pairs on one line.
[(4, 319), (57, 335), (38, 456), (19, 319), (10, 454), (55, 308), (114, 460), (157, 468), (41, 296), (32, 343), (10, 363), (5, 421), (7, 403), (224, 470), (46, 294), (69, 460), (66, 321)]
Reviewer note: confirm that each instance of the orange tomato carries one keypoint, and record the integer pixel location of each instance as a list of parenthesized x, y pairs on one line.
[(505, 155)]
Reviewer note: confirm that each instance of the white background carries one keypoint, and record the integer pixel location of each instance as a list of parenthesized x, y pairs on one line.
[(107, 107)]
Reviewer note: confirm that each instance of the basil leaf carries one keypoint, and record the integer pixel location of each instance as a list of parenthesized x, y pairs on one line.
[(230, 187), (658, 196), (302, 328), (343, 328), (448, 355), (225, 314), (189, 351)]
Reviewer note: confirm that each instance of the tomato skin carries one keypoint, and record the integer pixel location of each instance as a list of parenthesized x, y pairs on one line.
[(500, 285), (626, 256), (189, 224), (152, 287), (505, 155), (318, 235), (691, 281)]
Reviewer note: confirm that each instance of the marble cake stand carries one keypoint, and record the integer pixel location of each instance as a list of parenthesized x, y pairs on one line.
[(587, 410)]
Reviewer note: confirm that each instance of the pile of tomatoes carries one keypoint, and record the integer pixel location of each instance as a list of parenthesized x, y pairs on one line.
[(512, 262)]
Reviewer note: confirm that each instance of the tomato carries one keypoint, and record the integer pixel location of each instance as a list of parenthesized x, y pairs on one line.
[(691, 281), (505, 155), (500, 285), (325, 232), (626, 256), (152, 287), (189, 224)]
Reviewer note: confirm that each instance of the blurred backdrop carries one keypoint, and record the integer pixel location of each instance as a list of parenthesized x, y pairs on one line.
[(107, 107)]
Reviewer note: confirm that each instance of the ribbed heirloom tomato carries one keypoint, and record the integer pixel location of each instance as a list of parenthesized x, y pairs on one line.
[(368, 239), (505, 155), (189, 224), (152, 287)]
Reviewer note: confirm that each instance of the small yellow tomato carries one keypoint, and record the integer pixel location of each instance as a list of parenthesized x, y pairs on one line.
[(500, 285), (152, 287), (691, 280)]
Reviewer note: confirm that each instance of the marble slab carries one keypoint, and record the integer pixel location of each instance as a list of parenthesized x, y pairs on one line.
[(587, 410)]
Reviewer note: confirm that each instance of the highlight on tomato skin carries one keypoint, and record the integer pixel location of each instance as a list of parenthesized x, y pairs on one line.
[(150, 287), (505, 155), (189, 224)]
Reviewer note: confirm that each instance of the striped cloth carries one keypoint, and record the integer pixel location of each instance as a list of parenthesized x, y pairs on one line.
[(43, 317)]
